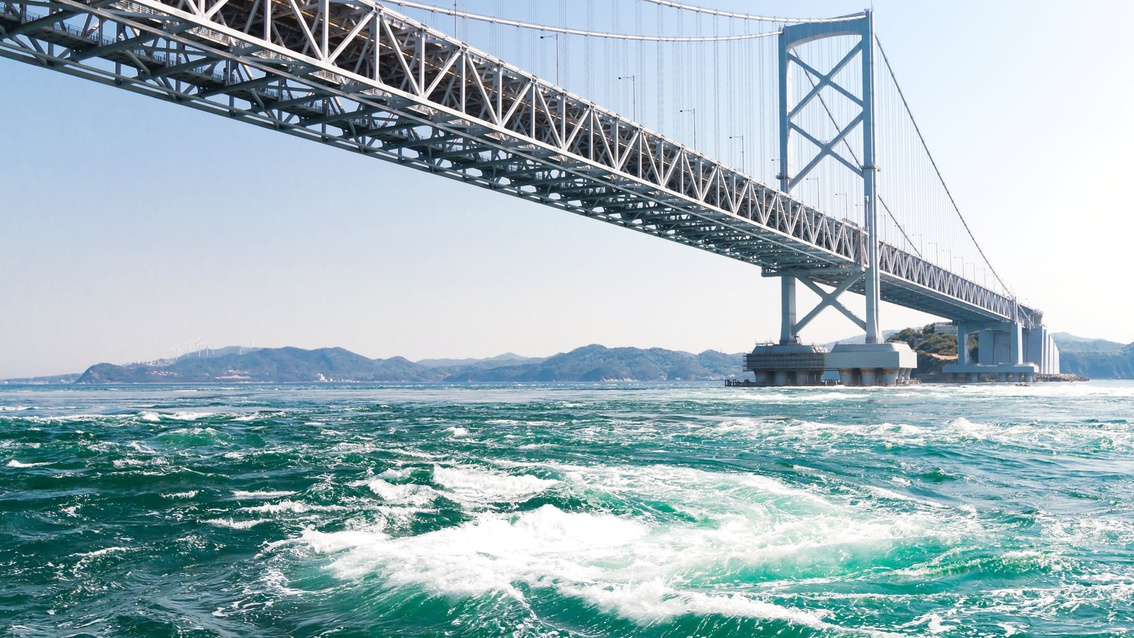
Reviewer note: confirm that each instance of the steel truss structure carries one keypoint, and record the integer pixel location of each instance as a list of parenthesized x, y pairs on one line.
[(355, 75)]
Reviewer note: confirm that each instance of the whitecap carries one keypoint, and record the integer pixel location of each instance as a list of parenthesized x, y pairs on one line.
[(883, 493), (655, 601), (486, 555), (934, 623), (473, 485), (278, 581), (969, 429), (335, 542), (408, 494), (17, 464), (261, 494), (294, 507), (400, 473), (190, 416), (85, 558), (102, 552), (233, 524), (638, 571)]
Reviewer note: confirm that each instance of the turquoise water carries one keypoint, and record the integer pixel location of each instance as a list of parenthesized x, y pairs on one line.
[(567, 510)]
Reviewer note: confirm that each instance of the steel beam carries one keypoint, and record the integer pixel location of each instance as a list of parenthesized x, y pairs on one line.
[(516, 127)]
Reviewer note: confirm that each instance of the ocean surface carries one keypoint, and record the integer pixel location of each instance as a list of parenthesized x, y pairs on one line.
[(567, 510)]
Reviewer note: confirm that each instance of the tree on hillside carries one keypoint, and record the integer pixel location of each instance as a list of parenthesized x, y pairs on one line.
[(933, 348)]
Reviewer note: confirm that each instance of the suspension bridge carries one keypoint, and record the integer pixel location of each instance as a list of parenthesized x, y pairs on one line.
[(785, 143)]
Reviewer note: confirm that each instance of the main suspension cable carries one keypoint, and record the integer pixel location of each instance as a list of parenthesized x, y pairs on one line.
[(933, 163), (748, 16), (582, 32)]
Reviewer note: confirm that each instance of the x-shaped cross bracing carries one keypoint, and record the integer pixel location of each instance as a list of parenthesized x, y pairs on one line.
[(821, 81), (830, 300)]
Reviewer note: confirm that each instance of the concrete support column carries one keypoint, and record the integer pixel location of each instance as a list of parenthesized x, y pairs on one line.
[(869, 184), (986, 347), (962, 344), (873, 283), (1016, 336), (787, 311)]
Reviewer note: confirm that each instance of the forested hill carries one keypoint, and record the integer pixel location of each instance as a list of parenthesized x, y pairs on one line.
[(296, 365), (1090, 358), (1094, 358), (598, 363)]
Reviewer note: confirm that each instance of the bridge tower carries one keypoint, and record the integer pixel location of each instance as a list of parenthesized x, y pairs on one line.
[(789, 362)]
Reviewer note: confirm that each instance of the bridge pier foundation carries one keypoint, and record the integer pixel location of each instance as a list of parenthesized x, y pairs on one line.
[(871, 364), (1002, 349), (787, 364)]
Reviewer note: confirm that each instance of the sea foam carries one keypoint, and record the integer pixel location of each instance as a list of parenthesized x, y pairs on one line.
[(19, 464), (474, 485), (641, 567)]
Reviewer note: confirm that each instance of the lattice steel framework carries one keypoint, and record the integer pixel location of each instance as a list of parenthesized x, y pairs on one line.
[(861, 33), (356, 75)]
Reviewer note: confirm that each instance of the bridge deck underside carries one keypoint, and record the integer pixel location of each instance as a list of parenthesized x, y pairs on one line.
[(359, 77)]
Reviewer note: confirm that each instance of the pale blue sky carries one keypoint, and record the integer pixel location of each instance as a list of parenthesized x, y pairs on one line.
[(133, 227)]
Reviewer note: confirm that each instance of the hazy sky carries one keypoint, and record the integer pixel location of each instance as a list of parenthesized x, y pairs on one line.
[(132, 228)]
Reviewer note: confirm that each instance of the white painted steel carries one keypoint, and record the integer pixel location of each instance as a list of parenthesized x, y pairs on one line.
[(356, 75)]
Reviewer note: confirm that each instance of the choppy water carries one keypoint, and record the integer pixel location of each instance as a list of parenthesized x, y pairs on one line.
[(567, 510)]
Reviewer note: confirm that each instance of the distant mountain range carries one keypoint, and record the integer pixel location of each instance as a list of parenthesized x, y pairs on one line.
[(295, 365), (1092, 358)]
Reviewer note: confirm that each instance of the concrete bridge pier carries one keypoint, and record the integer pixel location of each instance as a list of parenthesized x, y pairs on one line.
[(1006, 352), (871, 364), (787, 364)]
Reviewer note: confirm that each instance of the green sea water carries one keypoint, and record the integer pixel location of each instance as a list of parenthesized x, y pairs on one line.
[(567, 510)]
